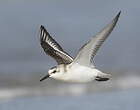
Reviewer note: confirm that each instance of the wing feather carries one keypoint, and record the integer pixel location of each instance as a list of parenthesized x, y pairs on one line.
[(89, 50), (52, 48)]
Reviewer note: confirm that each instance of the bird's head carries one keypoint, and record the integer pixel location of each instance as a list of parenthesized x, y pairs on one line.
[(52, 72)]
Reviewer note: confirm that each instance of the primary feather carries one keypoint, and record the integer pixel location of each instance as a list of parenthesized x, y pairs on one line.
[(89, 50), (52, 48)]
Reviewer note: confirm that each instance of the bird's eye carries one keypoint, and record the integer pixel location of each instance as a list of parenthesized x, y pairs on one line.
[(54, 71)]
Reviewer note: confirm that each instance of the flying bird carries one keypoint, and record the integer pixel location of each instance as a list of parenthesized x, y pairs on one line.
[(81, 68)]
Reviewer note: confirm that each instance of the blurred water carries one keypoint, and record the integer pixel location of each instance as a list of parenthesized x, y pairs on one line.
[(118, 100), (23, 62)]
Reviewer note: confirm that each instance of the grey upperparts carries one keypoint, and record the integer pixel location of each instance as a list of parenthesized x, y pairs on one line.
[(89, 50)]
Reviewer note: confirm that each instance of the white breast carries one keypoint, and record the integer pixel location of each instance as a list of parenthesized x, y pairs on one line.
[(78, 73)]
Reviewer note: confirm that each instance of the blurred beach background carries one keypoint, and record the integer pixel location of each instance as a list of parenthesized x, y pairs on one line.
[(72, 23)]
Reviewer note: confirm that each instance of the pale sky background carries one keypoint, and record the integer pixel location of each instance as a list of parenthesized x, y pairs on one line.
[(72, 23)]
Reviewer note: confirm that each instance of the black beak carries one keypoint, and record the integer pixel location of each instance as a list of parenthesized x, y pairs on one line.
[(45, 77)]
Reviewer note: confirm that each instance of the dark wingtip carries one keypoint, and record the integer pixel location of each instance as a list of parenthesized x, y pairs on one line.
[(117, 16), (42, 27)]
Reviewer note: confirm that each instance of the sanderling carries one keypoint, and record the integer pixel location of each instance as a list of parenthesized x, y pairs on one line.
[(80, 68)]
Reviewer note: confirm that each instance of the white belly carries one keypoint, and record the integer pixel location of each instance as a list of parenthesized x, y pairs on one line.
[(78, 73)]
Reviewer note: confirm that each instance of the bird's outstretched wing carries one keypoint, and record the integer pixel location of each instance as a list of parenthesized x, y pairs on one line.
[(52, 48), (89, 50)]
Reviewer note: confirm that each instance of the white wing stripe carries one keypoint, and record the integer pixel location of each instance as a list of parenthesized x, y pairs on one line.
[(52, 48)]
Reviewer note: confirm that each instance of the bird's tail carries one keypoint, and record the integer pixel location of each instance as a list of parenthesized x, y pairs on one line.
[(103, 77)]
